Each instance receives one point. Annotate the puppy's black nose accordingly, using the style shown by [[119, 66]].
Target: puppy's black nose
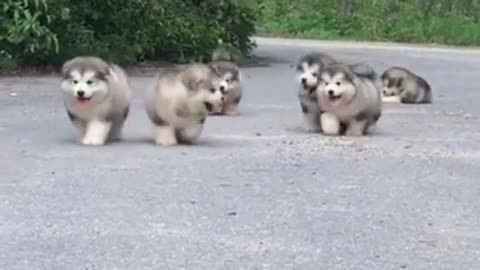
[[330, 92], [80, 93], [304, 81]]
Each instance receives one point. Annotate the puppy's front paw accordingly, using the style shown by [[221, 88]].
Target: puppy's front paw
[[330, 124], [93, 140], [165, 136], [391, 99], [96, 133], [166, 141], [356, 129]]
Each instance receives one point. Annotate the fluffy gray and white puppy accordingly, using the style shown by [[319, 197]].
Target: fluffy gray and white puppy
[[400, 85], [350, 104], [180, 102], [230, 86], [96, 97], [308, 70]]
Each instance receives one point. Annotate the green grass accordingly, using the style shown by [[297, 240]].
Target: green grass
[[418, 21]]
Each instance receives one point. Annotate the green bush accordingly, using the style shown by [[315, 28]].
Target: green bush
[[439, 21], [47, 32]]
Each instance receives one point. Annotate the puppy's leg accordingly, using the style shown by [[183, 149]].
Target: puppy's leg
[[165, 135], [189, 134], [80, 129], [330, 124], [117, 126], [312, 121], [116, 131], [356, 128], [96, 132], [79, 125], [231, 106]]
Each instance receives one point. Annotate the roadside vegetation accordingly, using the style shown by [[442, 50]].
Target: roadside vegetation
[[43, 33], [47, 32], [454, 22]]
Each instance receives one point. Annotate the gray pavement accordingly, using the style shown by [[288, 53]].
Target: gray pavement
[[257, 192]]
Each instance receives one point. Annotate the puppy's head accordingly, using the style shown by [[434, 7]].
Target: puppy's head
[[85, 80], [203, 85], [229, 75], [337, 85], [392, 87], [308, 74]]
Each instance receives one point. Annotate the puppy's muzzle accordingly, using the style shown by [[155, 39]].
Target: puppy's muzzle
[[332, 96]]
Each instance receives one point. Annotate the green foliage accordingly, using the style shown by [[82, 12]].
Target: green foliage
[[24, 29], [438, 21], [124, 31]]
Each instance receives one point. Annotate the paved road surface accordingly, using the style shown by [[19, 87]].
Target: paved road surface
[[257, 192]]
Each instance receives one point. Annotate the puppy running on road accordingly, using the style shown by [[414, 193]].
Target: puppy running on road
[[350, 104], [96, 97], [180, 101]]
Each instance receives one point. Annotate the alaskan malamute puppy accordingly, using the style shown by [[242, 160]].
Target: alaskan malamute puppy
[[230, 86], [96, 97], [350, 104], [308, 69], [180, 101], [402, 85]]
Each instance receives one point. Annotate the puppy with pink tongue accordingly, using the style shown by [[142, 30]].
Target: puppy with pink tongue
[[350, 104], [96, 97]]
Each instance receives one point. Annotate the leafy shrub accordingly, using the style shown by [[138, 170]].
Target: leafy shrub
[[439, 21], [24, 30], [127, 31]]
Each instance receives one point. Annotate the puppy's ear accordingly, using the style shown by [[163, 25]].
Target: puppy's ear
[[103, 73], [192, 83], [214, 68], [66, 69]]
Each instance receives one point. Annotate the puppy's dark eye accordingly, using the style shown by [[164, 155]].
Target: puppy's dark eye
[[89, 82], [314, 74], [75, 81], [227, 80], [338, 83], [326, 83], [212, 90]]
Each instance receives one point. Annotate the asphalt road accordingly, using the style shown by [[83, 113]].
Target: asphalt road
[[256, 192]]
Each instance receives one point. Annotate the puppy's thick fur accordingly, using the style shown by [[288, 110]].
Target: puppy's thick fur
[[96, 97], [180, 101], [230, 86], [348, 102], [402, 85], [308, 69]]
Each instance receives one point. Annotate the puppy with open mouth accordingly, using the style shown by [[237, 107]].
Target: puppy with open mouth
[[350, 104], [230, 86], [96, 97], [180, 102]]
